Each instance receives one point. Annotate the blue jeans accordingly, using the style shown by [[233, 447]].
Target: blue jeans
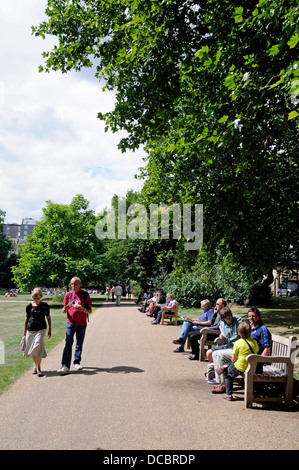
[[69, 339], [186, 327], [230, 374]]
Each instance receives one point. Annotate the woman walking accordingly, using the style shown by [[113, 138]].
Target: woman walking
[[35, 329]]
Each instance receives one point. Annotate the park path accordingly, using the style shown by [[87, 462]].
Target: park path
[[133, 393]]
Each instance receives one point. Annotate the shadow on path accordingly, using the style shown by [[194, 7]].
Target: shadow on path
[[124, 303], [96, 370], [111, 370]]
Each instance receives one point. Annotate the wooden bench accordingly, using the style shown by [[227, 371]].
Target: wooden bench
[[170, 315], [277, 368], [205, 343]]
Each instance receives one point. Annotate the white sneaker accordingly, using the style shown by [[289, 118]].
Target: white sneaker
[[212, 381], [63, 370], [78, 367]]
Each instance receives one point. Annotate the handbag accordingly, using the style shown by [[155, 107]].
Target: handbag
[[23, 344], [210, 374]]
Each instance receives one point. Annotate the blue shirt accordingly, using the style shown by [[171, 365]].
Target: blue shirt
[[206, 316], [262, 336]]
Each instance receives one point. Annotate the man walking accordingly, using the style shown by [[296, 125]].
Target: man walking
[[118, 292], [77, 305]]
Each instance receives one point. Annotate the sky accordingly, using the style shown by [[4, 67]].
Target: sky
[[52, 145]]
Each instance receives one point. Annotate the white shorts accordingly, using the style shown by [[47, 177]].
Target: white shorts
[[221, 357]]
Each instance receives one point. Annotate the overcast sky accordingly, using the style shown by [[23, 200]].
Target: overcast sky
[[52, 146]]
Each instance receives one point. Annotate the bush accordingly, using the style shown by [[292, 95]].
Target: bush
[[136, 289], [204, 281], [190, 288]]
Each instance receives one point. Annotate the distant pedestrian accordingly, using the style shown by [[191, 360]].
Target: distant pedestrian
[[129, 293], [118, 293], [113, 293], [107, 293]]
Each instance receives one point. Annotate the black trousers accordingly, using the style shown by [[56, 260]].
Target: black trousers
[[155, 311], [194, 336]]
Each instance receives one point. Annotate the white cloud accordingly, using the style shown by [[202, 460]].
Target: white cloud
[[52, 145]]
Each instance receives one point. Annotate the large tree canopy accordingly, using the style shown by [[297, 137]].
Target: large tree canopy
[[63, 244], [210, 89]]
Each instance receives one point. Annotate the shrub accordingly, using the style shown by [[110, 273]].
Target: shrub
[[206, 281]]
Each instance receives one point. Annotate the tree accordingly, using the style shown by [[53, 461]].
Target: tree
[[5, 247], [210, 89], [157, 54], [138, 259], [63, 244]]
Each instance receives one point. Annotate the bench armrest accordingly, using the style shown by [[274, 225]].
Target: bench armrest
[[220, 341], [208, 331], [255, 358]]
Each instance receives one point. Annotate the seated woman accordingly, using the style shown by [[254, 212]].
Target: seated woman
[[168, 308]]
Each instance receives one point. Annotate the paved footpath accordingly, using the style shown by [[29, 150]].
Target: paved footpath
[[133, 393]]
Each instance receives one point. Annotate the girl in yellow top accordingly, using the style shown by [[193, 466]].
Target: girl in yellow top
[[242, 347]]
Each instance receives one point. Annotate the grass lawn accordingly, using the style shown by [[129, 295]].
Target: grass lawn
[[12, 317]]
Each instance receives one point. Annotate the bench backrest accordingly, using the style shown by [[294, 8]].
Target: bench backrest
[[283, 347]]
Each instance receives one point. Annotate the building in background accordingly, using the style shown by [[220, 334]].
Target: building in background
[[26, 228], [12, 231], [19, 232]]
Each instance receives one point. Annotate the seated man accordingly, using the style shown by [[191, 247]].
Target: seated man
[[222, 354], [194, 336], [191, 324], [260, 333], [142, 297]]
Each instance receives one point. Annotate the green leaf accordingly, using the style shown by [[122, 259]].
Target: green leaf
[[202, 52], [274, 50], [229, 82], [276, 84], [218, 55], [293, 41], [294, 87], [223, 119], [171, 148], [208, 62], [293, 115], [238, 15]]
